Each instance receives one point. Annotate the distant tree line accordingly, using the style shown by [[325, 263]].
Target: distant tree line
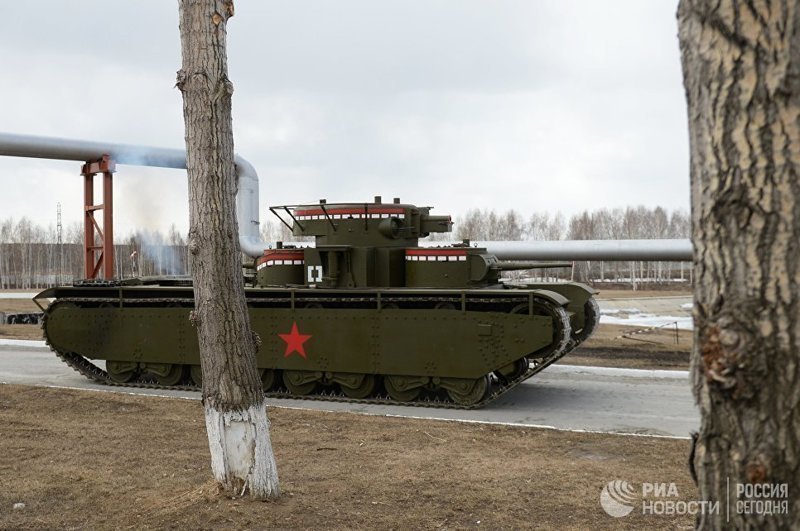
[[30, 256]]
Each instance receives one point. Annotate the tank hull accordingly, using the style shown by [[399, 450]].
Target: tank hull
[[341, 338]]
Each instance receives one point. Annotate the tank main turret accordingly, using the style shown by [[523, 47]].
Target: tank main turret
[[366, 245], [375, 245], [357, 245]]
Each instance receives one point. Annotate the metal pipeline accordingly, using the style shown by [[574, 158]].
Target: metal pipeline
[[247, 216], [39, 147]]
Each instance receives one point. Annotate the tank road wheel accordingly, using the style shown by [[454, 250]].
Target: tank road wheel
[[121, 371], [467, 392], [300, 382], [514, 370], [398, 388], [364, 385], [197, 375], [167, 374], [268, 379]]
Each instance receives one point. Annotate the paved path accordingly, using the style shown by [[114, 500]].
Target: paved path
[[563, 397]]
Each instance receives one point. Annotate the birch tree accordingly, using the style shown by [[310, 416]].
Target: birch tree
[[235, 410], [741, 67], [5, 253]]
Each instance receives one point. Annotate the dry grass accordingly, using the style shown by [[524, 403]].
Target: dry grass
[[28, 332], [18, 305], [80, 459], [33, 332]]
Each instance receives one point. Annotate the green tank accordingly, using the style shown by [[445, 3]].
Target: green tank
[[365, 314]]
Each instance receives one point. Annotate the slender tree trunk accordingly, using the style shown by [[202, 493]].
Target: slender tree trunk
[[741, 65], [3, 266], [633, 276], [236, 419]]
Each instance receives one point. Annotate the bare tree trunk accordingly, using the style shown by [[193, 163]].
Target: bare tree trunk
[[236, 419], [633, 275], [741, 65]]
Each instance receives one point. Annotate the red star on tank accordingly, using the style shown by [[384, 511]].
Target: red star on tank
[[294, 341]]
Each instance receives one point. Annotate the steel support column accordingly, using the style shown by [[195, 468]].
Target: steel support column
[[98, 242]]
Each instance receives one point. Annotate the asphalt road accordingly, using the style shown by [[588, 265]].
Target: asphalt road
[[563, 397]]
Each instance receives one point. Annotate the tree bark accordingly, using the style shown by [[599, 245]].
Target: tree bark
[[741, 66], [236, 419]]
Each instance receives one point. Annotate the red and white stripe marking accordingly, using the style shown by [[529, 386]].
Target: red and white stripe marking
[[436, 255], [279, 258]]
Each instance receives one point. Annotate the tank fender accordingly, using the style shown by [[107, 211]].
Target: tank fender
[[552, 296]]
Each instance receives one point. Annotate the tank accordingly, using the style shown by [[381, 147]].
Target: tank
[[366, 314]]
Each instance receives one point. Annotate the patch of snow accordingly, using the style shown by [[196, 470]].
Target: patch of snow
[[688, 306], [644, 320], [613, 311], [627, 280]]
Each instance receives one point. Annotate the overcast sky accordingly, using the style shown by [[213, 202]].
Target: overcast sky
[[528, 104]]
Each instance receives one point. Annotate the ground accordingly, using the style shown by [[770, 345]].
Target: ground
[[108, 460], [615, 346], [612, 346]]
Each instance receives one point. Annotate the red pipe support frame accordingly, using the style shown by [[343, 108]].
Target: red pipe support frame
[[98, 242]]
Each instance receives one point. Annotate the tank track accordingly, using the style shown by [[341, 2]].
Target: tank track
[[94, 373], [592, 315]]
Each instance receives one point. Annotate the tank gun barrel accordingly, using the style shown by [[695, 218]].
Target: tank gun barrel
[[612, 250], [519, 265], [664, 250]]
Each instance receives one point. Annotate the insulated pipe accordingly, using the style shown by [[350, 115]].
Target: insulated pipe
[[605, 250], [39, 147], [247, 209]]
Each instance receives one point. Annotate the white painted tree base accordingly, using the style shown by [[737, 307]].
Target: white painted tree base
[[241, 451]]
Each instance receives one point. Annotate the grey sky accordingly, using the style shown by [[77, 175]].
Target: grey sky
[[533, 105]]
